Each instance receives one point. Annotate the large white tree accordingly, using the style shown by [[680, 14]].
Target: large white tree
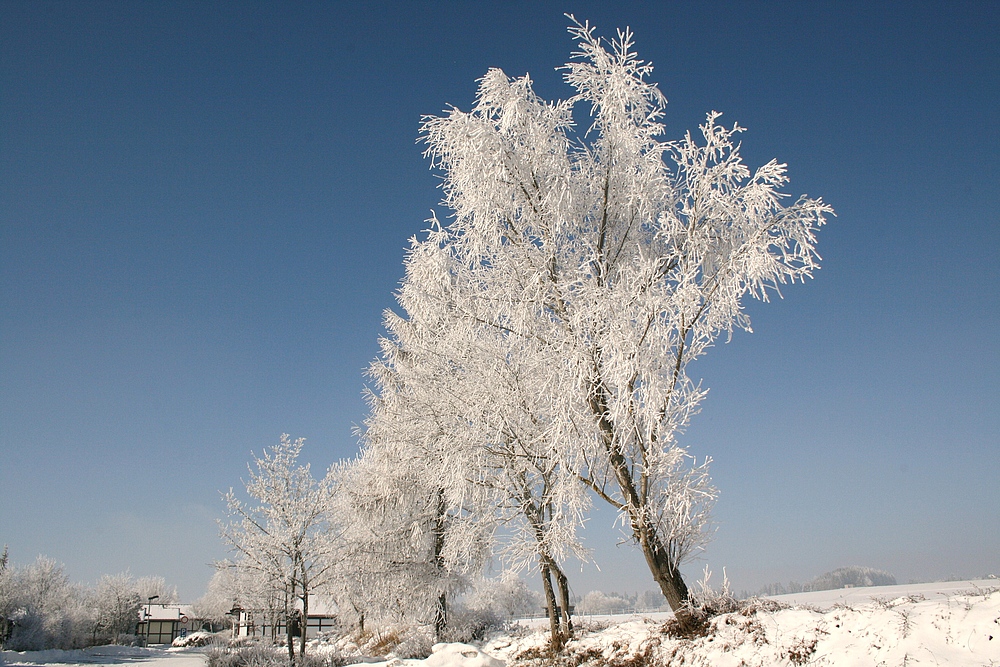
[[615, 258], [283, 538]]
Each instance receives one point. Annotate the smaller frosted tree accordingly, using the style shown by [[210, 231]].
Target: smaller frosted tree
[[8, 603], [118, 601], [474, 430], [283, 537], [408, 543]]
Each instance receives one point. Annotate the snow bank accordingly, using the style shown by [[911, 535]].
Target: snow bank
[[960, 629], [861, 595], [445, 655], [91, 655]]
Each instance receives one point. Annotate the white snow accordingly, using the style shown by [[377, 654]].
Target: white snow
[[955, 624], [446, 655], [107, 655], [936, 624]]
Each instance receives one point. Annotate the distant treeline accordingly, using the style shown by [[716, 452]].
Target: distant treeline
[[843, 577]]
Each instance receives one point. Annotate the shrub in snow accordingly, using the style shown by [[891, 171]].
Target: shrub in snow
[[254, 654], [198, 639], [417, 642]]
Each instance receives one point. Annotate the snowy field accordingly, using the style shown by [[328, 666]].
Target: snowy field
[[953, 623]]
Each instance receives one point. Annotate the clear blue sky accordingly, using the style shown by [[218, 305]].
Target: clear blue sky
[[203, 210]]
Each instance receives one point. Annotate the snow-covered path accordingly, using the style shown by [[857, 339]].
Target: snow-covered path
[[107, 655]]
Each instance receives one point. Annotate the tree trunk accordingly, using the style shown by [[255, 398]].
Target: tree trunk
[[665, 572], [441, 612], [304, 621], [289, 640], [567, 618], [441, 617], [361, 618], [550, 602]]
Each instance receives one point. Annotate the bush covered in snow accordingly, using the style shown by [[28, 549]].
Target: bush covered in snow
[[252, 654], [200, 639]]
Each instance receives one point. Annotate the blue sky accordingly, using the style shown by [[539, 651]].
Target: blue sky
[[203, 210]]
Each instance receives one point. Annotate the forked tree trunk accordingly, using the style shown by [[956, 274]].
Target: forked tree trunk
[[550, 603], [567, 618]]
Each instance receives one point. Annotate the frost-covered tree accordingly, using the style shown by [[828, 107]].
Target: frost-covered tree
[[150, 586], [7, 600], [44, 609], [221, 595], [598, 602], [614, 258], [117, 601], [507, 596], [467, 427], [408, 543], [283, 538]]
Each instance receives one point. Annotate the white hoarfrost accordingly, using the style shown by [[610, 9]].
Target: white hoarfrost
[[282, 538], [549, 326]]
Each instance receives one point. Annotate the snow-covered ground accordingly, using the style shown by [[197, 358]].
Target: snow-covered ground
[[954, 623], [107, 655]]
